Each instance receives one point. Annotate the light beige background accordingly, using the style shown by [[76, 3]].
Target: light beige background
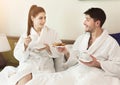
[[65, 16]]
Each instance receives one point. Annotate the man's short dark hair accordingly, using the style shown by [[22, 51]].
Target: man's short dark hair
[[96, 14]]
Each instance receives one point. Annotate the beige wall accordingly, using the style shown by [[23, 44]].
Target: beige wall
[[65, 16]]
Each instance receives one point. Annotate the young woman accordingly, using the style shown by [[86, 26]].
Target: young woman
[[34, 50]]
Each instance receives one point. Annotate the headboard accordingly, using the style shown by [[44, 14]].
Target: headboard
[[13, 40], [117, 37]]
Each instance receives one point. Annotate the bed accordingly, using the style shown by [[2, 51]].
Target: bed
[[67, 77]]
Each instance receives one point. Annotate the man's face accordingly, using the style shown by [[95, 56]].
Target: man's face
[[90, 24]]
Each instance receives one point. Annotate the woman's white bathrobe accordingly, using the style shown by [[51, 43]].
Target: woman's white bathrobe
[[107, 52], [43, 60], [31, 60]]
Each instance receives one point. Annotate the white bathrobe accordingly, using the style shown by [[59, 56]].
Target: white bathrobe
[[31, 60], [42, 60], [107, 52]]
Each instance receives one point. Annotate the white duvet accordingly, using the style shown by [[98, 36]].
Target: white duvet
[[105, 49]]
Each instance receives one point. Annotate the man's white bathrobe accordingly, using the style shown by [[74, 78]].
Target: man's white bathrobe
[[105, 49], [31, 60]]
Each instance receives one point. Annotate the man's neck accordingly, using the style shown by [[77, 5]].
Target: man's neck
[[96, 33], [93, 35]]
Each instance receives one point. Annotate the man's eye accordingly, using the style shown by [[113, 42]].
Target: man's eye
[[87, 20]]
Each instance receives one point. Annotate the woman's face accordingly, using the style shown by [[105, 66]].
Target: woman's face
[[39, 20]]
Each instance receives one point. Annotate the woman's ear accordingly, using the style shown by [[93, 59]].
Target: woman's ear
[[32, 18]]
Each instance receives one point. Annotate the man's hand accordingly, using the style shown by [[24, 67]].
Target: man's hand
[[64, 50], [93, 63], [61, 49]]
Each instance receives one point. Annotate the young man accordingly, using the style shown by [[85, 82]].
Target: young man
[[103, 50]]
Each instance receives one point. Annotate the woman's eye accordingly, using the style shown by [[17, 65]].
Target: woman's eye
[[41, 18], [44, 17]]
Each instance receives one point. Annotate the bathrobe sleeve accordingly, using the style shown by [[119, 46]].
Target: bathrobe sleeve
[[112, 65], [19, 52], [57, 57], [73, 50]]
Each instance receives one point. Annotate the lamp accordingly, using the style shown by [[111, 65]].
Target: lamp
[[4, 46]]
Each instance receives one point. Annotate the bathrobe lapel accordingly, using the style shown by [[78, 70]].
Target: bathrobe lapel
[[98, 42]]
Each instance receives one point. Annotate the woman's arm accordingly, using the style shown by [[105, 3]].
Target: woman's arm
[[21, 52]]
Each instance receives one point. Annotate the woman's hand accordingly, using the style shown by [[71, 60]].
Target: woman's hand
[[27, 41], [93, 63], [47, 48]]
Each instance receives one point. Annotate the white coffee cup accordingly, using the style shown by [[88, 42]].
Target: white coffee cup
[[84, 56]]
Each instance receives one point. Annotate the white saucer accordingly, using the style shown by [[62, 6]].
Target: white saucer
[[84, 57]]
